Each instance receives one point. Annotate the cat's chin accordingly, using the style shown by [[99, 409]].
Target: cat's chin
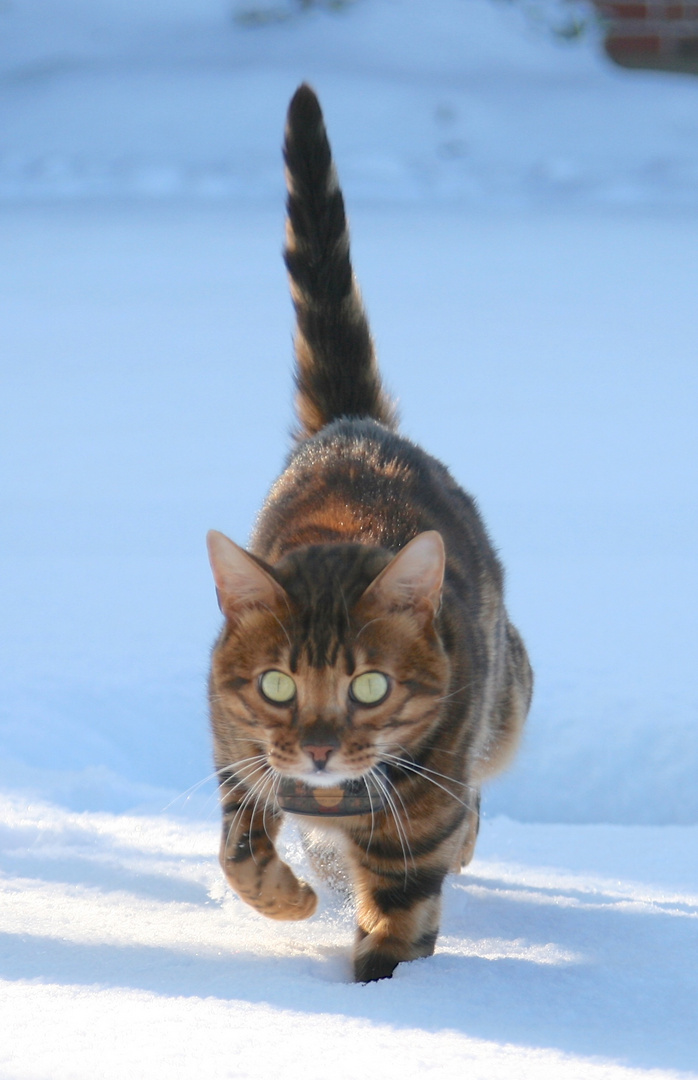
[[326, 779]]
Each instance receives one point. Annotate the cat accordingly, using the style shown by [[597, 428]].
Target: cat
[[365, 639]]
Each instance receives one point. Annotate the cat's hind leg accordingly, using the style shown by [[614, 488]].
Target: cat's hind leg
[[471, 828]]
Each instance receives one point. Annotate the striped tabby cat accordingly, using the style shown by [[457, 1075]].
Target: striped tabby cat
[[366, 643]]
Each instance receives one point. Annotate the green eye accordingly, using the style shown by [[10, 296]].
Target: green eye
[[369, 688], [277, 687]]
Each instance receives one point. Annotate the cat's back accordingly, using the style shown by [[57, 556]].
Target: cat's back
[[357, 481]]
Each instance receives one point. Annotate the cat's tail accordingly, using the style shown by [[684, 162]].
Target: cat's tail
[[336, 369]]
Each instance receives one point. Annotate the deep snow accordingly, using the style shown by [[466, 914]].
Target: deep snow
[[525, 224]]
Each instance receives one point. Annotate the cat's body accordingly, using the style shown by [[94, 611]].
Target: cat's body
[[367, 635]]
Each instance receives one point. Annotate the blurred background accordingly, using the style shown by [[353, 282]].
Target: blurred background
[[522, 182]]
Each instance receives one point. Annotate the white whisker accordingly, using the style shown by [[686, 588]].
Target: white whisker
[[185, 795], [254, 814], [249, 795], [382, 781], [370, 799], [278, 620], [417, 770], [378, 618], [434, 772], [454, 692]]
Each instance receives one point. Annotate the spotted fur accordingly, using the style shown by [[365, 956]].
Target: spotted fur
[[367, 556]]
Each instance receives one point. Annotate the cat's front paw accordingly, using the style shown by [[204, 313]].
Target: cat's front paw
[[290, 898], [272, 890], [376, 955]]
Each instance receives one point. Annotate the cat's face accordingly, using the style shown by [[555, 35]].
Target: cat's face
[[332, 664]]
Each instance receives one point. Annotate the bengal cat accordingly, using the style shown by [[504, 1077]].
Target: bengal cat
[[366, 648]]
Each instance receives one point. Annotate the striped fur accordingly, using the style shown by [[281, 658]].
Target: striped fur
[[367, 556], [336, 373]]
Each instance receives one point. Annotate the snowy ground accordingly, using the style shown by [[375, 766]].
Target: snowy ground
[[563, 949], [525, 226]]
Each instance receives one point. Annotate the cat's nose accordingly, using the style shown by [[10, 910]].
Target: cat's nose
[[319, 754]]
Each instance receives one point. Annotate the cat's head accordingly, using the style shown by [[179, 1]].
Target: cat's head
[[329, 662]]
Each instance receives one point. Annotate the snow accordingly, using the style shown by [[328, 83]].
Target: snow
[[455, 99], [524, 229], [563, 954]]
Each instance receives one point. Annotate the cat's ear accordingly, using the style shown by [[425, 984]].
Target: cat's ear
[[413, 576], [240, 581]]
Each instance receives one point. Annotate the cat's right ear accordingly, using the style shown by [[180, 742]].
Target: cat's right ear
[[240, 581]]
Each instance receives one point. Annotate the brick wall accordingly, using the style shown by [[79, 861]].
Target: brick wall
[[651, 33]]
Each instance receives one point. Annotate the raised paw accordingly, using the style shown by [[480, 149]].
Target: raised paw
[[289, 898], [272, 889]]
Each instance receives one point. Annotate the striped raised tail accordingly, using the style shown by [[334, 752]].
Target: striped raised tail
[[336, 370]]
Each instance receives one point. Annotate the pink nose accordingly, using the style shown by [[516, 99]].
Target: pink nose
[[319, 754]]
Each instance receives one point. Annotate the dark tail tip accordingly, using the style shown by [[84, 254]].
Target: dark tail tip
[[304, 109]]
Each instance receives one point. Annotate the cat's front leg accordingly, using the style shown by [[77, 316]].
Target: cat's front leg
[[255, 871], [399, 912]]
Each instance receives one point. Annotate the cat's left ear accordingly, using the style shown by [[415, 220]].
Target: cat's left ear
[[413, 576], [240, 580]]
